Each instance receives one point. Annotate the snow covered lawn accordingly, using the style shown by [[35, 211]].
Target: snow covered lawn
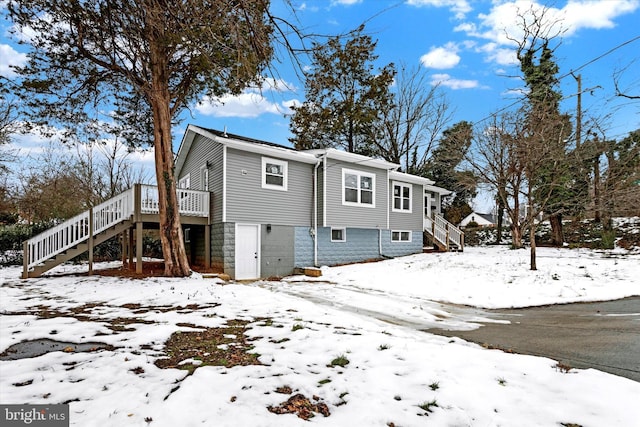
[[390, 375]]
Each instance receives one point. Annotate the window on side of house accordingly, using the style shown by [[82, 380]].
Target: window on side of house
[[187, 235], [185, 181], [338, 235], [358, 188], [274, 174], [400, 236], [401, 197]]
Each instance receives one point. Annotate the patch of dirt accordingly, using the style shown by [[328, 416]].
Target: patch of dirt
[[149, 269], [301, 406], [225, 346]]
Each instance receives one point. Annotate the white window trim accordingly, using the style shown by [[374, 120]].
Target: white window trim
[[373, 188], [187, 235], [204, 178], [285, 173], [400, 236], [393, 197], [344, 234], [185, 182]]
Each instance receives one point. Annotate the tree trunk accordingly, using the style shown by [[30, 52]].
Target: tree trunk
[[557, 233], [176, 263], [516, 236], [532, 238], [500, 220]]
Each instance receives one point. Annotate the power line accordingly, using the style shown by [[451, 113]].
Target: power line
[[562, 77]]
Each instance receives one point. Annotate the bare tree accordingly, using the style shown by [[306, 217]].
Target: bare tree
[[413, 121], [493, 157]]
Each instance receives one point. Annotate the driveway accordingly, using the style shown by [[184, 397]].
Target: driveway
[[602, 335]]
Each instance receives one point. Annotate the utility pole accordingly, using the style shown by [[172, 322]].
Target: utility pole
[[579, 110]]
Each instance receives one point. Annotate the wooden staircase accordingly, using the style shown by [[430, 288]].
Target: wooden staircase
[[444, 236], [83, 232], [78, 249]]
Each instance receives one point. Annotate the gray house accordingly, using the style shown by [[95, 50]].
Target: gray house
[[254, 209], [274, 209]]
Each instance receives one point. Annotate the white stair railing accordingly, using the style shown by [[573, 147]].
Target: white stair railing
[[444, 232], [76, 230]]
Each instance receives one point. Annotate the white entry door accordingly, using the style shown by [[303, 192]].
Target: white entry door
[[247, 251]]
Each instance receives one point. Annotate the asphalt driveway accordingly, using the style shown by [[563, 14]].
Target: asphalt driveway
[[602, 335]]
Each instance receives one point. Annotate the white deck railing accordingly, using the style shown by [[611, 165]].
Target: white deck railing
[[76, 230], [191, 202]]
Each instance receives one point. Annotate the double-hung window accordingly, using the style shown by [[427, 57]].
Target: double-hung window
[[274, 174], [358, 188], [401, 197]]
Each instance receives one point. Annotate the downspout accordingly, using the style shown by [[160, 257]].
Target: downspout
[[315, 213]]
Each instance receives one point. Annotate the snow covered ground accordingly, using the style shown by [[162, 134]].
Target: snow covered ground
[[395, 375]]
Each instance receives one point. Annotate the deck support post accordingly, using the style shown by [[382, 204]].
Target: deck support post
[[207, 246], [25, 260], [130, 248], [139, 247], [91, 226], [123, 251]]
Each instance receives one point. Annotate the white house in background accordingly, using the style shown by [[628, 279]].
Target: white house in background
[[482, 219]]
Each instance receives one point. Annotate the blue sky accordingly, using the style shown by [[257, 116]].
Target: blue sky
[[461, 44]]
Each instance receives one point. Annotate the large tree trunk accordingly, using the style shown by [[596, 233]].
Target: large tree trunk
[[176, 263], [557, 233], [516, 236]]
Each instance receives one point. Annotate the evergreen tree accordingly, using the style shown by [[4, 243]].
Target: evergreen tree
[[148, 60], [344, 95]]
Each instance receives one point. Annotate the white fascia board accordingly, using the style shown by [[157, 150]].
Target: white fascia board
[[434, 189], [413, 179], [185, 146], [356, 159]]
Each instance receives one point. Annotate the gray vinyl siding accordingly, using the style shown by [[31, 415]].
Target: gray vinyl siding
[[339, 215], [320, 190], [404, 220], [248, 202], [203, 150]]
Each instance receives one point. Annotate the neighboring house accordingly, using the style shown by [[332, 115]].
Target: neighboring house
[[254, 209], [275, 209], [482, 220]]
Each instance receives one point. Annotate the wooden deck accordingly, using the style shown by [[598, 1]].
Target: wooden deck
[[126, 214]]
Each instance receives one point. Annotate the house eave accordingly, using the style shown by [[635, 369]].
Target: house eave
[[413, 179], [332, 153]]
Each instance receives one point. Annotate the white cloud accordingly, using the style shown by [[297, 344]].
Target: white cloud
[[252, 102], [455, 84], [441, 57], [459, 7], [499, 55], [10, 57], [345, 2], [500, 25]]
